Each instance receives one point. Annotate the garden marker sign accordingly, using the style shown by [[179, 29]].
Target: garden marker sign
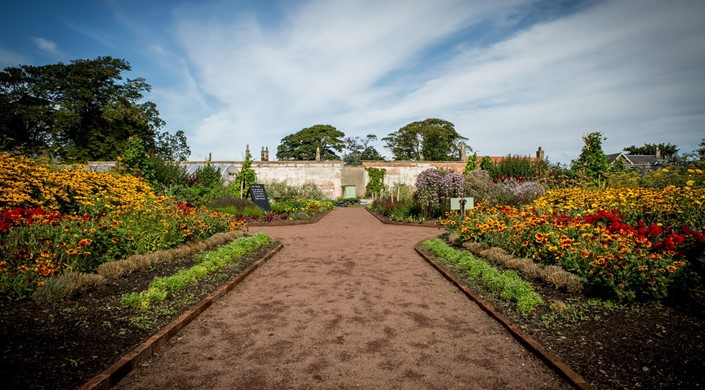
[[462, 204], [259, 196]]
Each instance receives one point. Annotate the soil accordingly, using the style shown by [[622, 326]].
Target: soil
[[348, 303]]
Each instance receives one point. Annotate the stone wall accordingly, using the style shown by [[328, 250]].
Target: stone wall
[[330, 176]]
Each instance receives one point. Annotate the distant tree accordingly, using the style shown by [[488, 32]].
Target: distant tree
[[592, 160], [359, 149], [172, 147], [701, 150], [668, 151], [75, 112], [302, 144], [431, 139]]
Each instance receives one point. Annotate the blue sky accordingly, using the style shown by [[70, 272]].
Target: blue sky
[[511, 75]]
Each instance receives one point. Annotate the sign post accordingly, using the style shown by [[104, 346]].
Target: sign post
[[462, 204], [259, 196]]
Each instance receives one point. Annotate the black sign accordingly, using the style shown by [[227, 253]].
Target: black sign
[[259, 196]]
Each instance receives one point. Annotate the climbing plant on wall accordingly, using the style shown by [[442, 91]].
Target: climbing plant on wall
[[375, 185]]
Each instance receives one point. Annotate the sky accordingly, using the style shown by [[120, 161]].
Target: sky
[[510, 75]]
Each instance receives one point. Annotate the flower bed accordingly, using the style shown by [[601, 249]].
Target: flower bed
[[637, 251]]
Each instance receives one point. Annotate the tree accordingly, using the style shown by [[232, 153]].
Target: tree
[[302, 144], [471, 165], [431, 139], [360, 149], [246, 176], [701, 150], [172, 147], [668, 151], [76, 112], [592, 160]]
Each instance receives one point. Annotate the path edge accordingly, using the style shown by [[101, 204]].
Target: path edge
[[133, 359], [524, 339]]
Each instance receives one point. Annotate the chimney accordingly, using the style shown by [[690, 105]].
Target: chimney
[[539, 154], [247, 152], [266, 153], [463, 153], [262, 156], [658, 153], [318, 153]]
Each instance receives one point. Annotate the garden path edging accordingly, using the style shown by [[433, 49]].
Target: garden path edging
[[133, 359], [524, 339]]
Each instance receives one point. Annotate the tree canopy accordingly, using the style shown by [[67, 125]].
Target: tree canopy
[[359, 149], [667, 150], [78, 111], [431, 139], [302, 144]]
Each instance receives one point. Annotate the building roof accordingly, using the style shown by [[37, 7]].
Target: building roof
[[635, 159]]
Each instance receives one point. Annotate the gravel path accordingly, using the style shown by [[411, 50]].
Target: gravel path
[[347, 303]]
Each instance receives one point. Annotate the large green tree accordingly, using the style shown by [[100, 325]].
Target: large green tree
[[592, 161], [79, 111], [302, 144], [359, 149], [667, 150], [431, 139]]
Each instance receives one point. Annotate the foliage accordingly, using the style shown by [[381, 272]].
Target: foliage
[[135, 160], [637, 251], [691, 175], [283, 191], [516, 166], [592, 161], [507, 284], [701, 150], [431, 139], [172, 147], [75, 112], [486, 164], [302, 144], [246, 176], [360, 149], [667, 150], [375, 184], [471, 165]]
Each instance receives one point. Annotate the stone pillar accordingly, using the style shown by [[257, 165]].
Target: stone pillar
[[266, 152], [263, 157], [658, 152], [463, 153], [318, 153]]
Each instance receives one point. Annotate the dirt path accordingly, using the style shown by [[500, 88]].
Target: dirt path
[[346, 304]]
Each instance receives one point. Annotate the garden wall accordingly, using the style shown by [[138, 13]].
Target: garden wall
[[330, 176]]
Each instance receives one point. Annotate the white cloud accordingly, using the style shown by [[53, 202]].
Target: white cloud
[[630, 69], [47, 46]]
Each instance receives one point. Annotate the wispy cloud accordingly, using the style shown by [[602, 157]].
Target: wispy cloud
[[631, 69], [10, 58], [47, 46]]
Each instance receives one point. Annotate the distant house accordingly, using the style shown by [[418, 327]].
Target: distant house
[[637, 161]]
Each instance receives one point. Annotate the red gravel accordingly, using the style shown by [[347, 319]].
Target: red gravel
[[346, 304]]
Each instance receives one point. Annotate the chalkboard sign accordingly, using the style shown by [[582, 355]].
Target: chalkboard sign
[[259, 196]]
